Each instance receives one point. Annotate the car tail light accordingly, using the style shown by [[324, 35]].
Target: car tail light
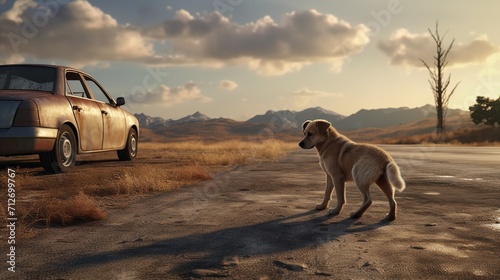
[[7, 112], [27, 114]]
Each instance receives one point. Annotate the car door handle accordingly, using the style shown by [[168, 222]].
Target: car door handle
[[76, 107], [104, 112]]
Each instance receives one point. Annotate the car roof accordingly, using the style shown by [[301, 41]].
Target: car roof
[[43, 65]]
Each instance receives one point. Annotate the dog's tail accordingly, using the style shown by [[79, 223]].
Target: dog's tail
[[394, 176]]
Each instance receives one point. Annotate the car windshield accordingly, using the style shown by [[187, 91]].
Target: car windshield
[[27, 78]]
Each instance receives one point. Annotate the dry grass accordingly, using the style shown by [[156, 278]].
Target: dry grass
[[80, 207], [460, 130], [102, 183], [478, 136], [225, 152], [143, 179]]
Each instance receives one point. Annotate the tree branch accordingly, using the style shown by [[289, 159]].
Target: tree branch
[[437, 83]]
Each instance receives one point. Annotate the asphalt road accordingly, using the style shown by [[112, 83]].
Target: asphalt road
[[257, 222]]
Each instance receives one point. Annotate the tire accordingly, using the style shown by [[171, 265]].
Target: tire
[[63, 157], [130, 151]]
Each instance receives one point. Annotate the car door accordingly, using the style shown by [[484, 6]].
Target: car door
[[115, 131], [87, 113]]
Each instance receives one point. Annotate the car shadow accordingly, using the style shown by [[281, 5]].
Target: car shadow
[[22, 162], [276, 236], [33, 165]]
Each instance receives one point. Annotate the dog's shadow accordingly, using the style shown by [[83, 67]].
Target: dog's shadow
[[276, 236]]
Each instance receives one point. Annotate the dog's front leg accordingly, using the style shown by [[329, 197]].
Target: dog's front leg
[[328, 194], [340, 192]]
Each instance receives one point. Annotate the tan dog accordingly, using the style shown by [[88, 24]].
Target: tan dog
[[343, 160]]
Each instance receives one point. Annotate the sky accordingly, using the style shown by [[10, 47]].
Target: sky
[[238, 58]]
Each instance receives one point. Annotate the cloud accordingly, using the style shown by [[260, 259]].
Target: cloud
[[80, 33], [264, 45], [306, 96], [305, 92], [18, 8], [76, 32], [228, 85], [164, 95], [11, 58], [405, 48]]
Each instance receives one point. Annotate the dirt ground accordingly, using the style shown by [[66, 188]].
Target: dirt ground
[[256, 222]]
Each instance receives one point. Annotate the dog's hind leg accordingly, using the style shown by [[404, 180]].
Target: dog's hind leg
[[363, 181], [388, 190], [367, 201]]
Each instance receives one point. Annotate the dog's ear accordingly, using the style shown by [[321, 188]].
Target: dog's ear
[[322, 126], [305, 124]]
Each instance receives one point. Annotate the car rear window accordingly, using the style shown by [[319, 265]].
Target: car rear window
[[27, 78]]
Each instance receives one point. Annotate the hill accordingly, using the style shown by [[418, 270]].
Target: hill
[[411, 133], [379, 125], [287, 119], [388, 117]]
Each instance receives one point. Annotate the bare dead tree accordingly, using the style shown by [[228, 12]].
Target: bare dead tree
[[437, 82]]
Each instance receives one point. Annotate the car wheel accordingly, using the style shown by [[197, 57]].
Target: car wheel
[[130, 150], [63, 157]]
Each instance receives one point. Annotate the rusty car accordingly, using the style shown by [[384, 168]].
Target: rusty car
[[60, 112]]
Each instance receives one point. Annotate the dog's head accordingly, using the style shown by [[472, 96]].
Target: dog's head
[[315, 132]]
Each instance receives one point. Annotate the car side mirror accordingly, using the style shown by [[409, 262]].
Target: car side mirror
[[120, 101]]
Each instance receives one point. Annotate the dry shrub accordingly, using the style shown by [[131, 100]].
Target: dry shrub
[[270, 147], [273, 150], [478, 136], [407, 140], [149, 178], [238, 152], [192, 173], [80, 207], [220, 158], [24, 210], [141, 179], [23, 178]]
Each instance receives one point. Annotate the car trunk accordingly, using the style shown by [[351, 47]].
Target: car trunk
[[8, 111], [10, 100]]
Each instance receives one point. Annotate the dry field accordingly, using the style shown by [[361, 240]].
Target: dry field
[[100, 183], [459, 131]]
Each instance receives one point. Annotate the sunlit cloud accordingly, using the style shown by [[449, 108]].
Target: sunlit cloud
[[76, 32], [228, 85], [268, 47], [315, 93], [406, 48], [166, 96], [305, 96]]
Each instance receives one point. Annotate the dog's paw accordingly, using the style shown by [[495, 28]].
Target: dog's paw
[[320, 206], [355, 215], [333, 211], [389, 218]]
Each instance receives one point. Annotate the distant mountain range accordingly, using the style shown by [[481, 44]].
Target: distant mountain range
[[158, 122], [286, 123], [382, 118], [286, 119]]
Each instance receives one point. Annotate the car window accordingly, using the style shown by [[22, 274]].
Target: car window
[[3, 79], [27, 78], [97, 91], [74, 85]]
